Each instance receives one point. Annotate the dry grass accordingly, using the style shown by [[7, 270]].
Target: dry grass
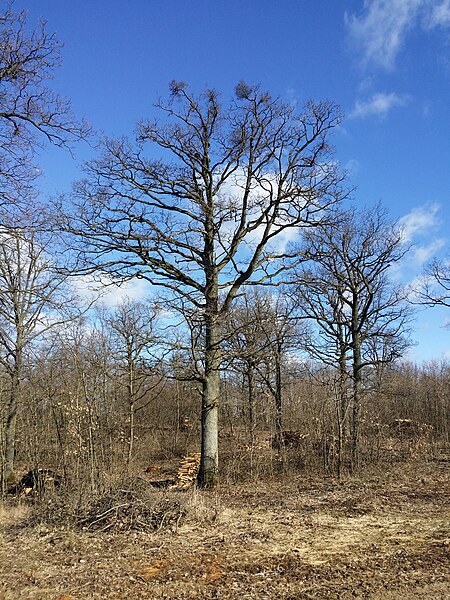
[[384, 536], [13, 514]]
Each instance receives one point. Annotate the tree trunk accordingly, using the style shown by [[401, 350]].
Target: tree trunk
[[131, 409], [278, 399], [130, 435], [209, 465], [251, 406], [11, 419], [357, 385], [10, 439], [341, 410]]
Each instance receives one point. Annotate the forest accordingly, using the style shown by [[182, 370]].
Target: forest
[[270, 349]]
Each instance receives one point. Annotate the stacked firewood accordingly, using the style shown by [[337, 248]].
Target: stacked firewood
[[187, 471]]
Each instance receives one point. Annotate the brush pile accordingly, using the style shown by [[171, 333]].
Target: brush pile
[[131, 509]]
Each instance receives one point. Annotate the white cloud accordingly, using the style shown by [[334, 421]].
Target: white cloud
[[440, 15], [353, 166], [381, 30], [231, 196], [110, 294], [419, 220], [380, 105], [422, 254]]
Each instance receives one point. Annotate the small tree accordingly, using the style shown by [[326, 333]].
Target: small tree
[[358, 316], [245, 346], [261, 330], [133, 325], [205, 213], [33, 300]]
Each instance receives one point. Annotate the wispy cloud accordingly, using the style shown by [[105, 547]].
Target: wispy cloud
[[419, 229], [110, 294], [419, 221], [440, 15], [352, 166], [380, 32], [424, 253], [378, 105]]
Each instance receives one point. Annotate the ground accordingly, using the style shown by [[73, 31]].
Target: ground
[[385, 535]]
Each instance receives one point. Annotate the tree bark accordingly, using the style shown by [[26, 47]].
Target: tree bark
[[278, 398], [357, 386], [341, 410], [209, 466], [251, 406], [11, 419]]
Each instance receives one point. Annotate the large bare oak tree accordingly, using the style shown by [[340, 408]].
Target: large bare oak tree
[[202, 203]]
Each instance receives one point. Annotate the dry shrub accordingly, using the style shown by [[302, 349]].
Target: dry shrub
[[131, 505], [125, 510], [128, 505], [245, 463]]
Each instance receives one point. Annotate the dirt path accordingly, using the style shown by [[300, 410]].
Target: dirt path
[[299, 540]]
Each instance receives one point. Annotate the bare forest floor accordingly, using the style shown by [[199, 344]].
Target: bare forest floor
[[386, 535]]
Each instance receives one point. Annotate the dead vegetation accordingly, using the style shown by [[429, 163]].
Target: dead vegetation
[[383, 535], [132, 506], [125, 510]]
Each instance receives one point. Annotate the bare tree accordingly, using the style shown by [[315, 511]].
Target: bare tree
[[261, 330], [206, 212], [359, 317], [133, 325], [282, 333], [245, 345], [30, 112], [33, 299]]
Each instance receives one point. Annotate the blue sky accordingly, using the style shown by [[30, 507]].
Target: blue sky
[[385, 62]]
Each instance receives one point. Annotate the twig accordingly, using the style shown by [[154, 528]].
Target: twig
[[103, 515]]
